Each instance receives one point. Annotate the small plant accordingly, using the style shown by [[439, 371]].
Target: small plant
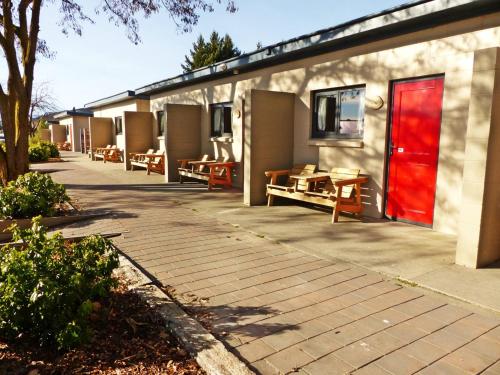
[[42, 151], [48, 285], [30, 195]]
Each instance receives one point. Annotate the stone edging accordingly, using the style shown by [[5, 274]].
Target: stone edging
[[212, 356]]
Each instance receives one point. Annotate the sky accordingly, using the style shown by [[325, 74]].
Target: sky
[[103, 61]]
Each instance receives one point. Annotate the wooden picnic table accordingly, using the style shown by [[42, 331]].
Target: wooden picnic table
[[199, 162], [308, 179]]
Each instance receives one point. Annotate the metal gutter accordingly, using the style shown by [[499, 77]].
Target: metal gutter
[[404, 19], [120, 97]]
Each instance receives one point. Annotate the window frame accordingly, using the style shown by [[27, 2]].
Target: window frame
[[119, 130], [337, 92], [158, 123], [223, 133]]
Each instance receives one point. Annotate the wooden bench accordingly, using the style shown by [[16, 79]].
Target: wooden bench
[[219, 172], [140, 159], [334, 189], [63, 146], [189, 166], [156, 163], [114, 155], [99, 152]]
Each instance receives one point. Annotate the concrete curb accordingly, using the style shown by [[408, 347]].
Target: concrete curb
[[210, 353]]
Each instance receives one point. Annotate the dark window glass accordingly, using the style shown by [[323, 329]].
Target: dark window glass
[[221, 124], [160, 118], [339, 113], [118, 125]]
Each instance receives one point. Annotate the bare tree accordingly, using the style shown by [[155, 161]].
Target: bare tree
[[20, 42], [43, 104]]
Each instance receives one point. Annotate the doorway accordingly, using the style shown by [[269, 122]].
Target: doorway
[[414, 149]]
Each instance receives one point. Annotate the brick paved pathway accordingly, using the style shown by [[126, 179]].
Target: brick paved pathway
[[279, 309]]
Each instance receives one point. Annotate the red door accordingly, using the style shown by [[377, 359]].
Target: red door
[[414, 149]]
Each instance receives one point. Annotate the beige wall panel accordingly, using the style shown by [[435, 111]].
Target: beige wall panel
[[137, 132], [479, 214], [68, 122], [489, 245], [101, 132], [142, 105], [269, 137], [45, 135], [447, 50], [79, 123], [182, 137], [58, 133], [116, 109]]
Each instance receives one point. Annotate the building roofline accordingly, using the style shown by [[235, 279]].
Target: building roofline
[[403, 19], [83, 112], [120, 97]]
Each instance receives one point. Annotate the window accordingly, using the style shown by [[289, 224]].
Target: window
[[221, 120], [339, 113], [67, 130], [118, 125], [160, 123]]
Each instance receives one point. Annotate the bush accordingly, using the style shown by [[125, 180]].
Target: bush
[[42, 151], [30, 195], [47, 285]]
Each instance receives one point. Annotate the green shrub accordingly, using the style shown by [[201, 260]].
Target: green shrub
[[42, 151], [53, 151], [30, 195], [47, 285], [37, 153]]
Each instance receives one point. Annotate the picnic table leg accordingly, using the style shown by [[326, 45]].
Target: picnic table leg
[[270, 200]]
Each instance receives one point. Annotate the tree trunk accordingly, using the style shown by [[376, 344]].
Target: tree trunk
[[14, 159]]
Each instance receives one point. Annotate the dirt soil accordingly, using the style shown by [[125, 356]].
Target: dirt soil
[[128, 338]]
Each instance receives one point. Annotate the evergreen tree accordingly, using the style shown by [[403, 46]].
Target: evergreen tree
[[209, 52]]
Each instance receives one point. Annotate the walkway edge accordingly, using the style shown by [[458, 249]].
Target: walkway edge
[[212, 356]]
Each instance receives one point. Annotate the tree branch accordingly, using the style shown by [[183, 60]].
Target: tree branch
[[31, 46], [23, 24]]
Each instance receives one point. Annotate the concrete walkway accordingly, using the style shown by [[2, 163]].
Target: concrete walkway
[[280, 309]]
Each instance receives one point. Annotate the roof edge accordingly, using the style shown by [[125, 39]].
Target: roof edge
[[403, 19], [116, 98]]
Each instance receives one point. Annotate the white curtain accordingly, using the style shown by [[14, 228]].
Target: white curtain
[[322, 104]]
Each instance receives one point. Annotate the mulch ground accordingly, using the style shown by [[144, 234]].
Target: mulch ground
[[128, 338]]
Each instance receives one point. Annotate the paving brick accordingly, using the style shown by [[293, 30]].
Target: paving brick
[[335, 320], [442, 368], [330, 365], [406, 332], [289, 359], [495, 368], [265, 368], [255, 350], [419, 305], [399, 363], [485, 347], [321, 345], [283, 339], [371, 369], [423, 351], [494, 334], [383, 342], [358, 354], [449, 314], [446, 340], [426, 323], [312, 328], [390, 316], [468, 360]]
